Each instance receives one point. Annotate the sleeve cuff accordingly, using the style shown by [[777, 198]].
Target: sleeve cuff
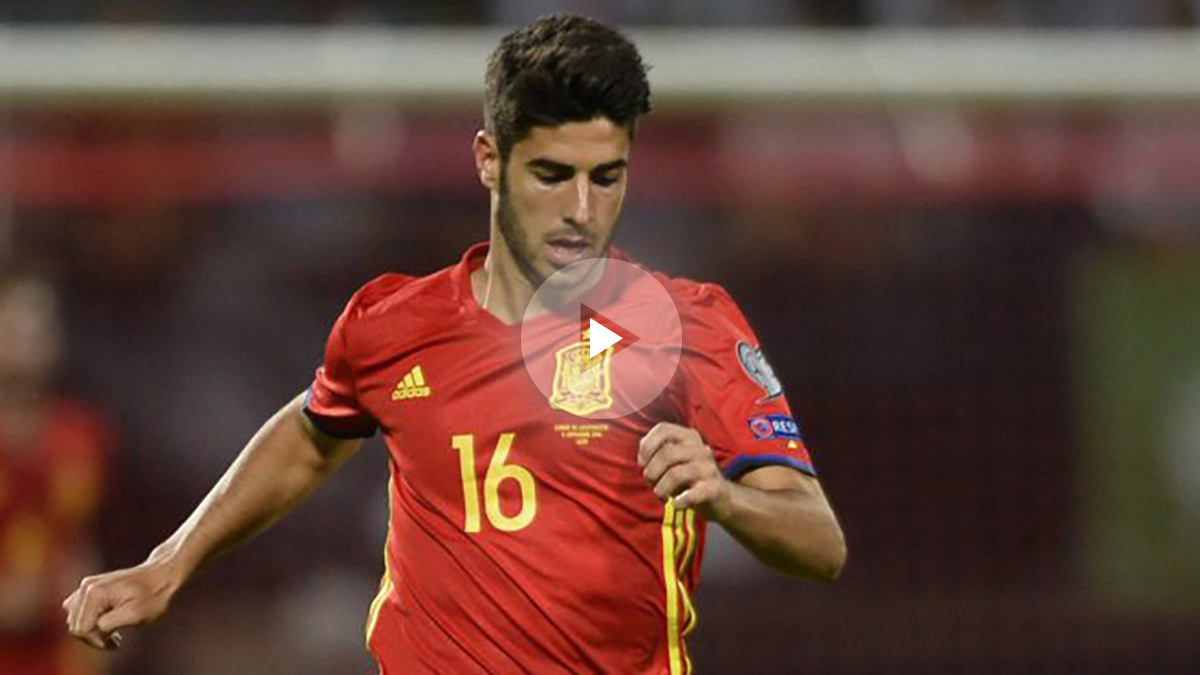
[[744, 463], [336, 427], [330, 427]]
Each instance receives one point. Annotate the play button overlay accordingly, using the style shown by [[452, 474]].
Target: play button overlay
[[601, 338], [605, 332]]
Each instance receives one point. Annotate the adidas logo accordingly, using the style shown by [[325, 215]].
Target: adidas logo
[[412, 386]]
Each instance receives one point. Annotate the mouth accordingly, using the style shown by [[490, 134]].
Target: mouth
[[563, 250]]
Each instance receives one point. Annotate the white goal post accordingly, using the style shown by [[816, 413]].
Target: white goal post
[[691, 69]]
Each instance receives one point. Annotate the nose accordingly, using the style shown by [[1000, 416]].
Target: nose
[[582, 213]]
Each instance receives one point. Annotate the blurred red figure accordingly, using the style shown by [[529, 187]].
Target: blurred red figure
[[52, 456]]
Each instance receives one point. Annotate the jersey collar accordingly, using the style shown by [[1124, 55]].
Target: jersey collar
[[474, 258]]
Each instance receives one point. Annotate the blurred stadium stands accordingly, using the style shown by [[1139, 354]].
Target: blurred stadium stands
[[987, 319]]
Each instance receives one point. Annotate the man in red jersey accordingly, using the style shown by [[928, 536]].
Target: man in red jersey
[[52, 454], [524, 535]]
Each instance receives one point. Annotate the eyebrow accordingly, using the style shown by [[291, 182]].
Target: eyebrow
[[558, 167]]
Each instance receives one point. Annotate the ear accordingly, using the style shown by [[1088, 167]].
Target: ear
[[487, 159]]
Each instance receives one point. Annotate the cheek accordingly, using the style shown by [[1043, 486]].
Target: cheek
[[536, 210], [545, 206], [525, 202], [609, 206]]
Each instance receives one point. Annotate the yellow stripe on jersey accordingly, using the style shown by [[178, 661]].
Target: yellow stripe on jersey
[[681, 546], [418, 376], [689, 524], [671, 585], [385, 589], [689, 612], [386, 585], [684, 546], [680, 541]]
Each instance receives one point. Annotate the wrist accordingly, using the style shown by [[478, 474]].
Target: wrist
[[172, 561], [719, 508]]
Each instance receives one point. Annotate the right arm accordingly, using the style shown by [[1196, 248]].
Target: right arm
[[283, 463]]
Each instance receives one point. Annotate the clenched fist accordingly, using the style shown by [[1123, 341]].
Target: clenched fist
[[129, 597], [679, 466]]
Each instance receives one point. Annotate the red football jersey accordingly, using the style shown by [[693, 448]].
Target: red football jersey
[[49, 495], [523, 537]]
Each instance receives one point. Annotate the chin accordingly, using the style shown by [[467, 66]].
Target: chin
[[563, 280], [572, 274]]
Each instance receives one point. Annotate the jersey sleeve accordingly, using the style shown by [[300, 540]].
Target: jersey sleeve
[[733, 397], [332, 402]]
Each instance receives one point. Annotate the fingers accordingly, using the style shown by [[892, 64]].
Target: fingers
[[90, 615], [82, 609], [699, 494], [95, 602], [663, 459], [73, 605], [683, 500], [680, 467], [677, 479], [69, 603], [664, 434], [120, 617], [97, 640]]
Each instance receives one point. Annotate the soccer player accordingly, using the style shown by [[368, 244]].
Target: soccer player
[[53, 451], [522, 537]]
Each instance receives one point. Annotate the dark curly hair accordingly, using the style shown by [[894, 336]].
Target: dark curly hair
[[562, 68]]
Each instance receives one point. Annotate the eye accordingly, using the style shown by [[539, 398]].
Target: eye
[[607, 179], [551, 177]]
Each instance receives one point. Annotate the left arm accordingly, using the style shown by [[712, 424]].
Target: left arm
[[780, 514]]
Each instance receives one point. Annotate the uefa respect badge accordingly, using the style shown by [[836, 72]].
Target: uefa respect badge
[[601, 338]]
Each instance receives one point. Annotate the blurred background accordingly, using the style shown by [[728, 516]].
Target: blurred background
[[965, 230]]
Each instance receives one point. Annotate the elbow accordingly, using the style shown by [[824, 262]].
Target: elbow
[[833, 558], [821, 562]]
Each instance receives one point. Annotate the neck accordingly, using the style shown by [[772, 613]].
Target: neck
[[501, 287]]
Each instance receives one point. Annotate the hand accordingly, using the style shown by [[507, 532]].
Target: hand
[[679, 466], [129, 597]]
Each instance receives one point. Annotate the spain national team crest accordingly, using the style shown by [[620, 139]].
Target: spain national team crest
[[600, 348], [582, 385]]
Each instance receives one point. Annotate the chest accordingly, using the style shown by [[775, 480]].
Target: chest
[[462, 415]]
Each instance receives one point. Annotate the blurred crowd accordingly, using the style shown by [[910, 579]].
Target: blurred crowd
[[986, 323], [817, 13], [952, 302]]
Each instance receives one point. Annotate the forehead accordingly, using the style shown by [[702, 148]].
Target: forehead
[[579, 144]]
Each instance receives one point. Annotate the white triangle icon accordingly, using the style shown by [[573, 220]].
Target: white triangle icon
[[602, 338]]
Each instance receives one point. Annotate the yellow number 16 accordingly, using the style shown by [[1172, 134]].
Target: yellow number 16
[[498, 472]]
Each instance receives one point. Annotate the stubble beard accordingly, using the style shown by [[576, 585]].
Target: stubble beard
[[514, 236], [523, 251]]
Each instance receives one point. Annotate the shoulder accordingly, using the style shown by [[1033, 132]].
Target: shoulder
[[394, 309], [392, 292], [702, 304]]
